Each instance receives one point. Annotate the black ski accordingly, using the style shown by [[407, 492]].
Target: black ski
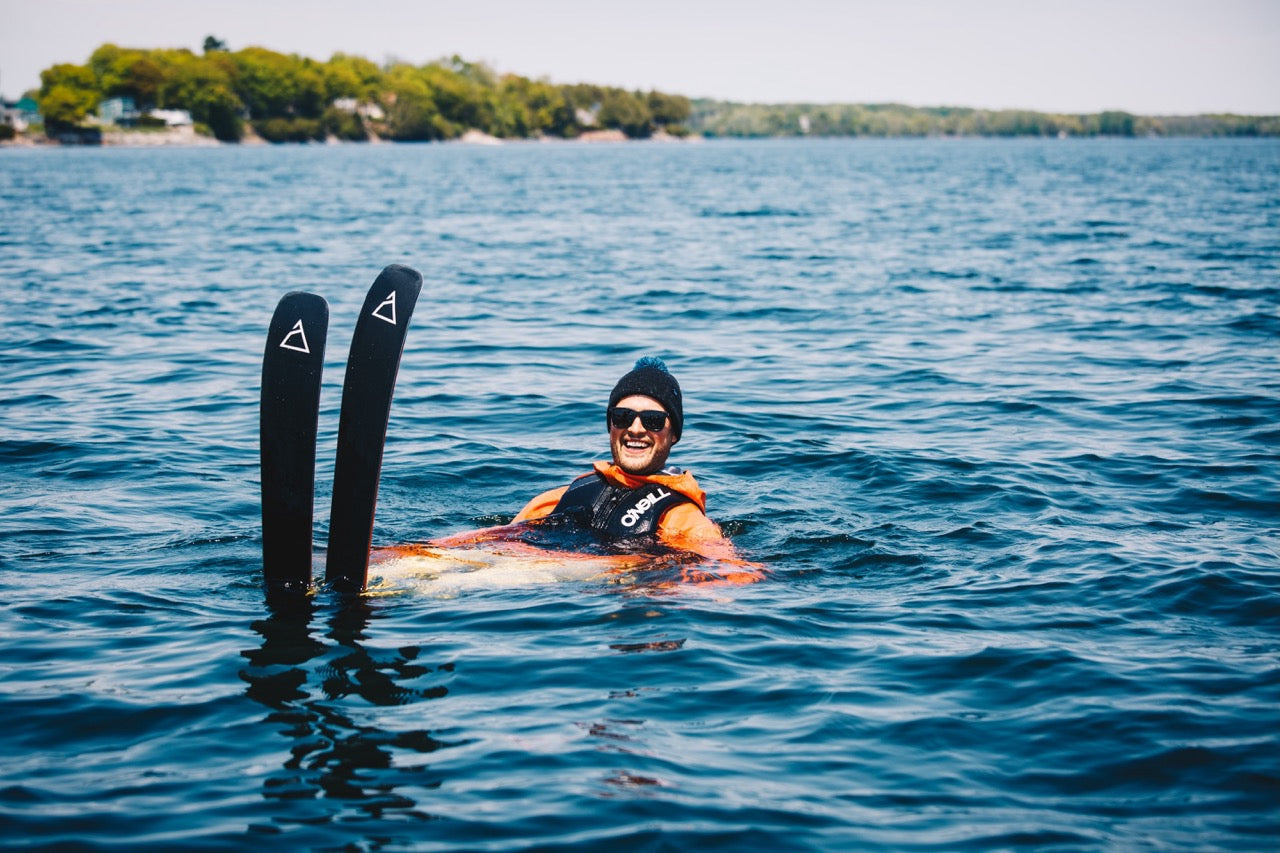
[[288, 414], [372, 365]]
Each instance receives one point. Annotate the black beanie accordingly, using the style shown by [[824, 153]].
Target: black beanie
[[651, 378]]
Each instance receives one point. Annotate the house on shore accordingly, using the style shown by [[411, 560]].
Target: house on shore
[[172, 118], [20, 114], [122, 112]]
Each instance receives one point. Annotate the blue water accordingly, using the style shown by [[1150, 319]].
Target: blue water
[[999, 418]]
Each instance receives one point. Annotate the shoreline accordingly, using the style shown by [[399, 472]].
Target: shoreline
[[186, 137]]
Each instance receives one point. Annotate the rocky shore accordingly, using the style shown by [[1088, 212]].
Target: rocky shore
[[166, 137], [186, 136]]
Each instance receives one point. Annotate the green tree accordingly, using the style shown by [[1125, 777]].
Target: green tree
[[351, 77], [205, 86], [461, 99], [668, 109], [411, 111], [627, 112], [310, 97], [477, 72], [584, 96], [281, 129], [546, 110], [344, 125], [413, 117], [68, 93], [127, 72], [273, 85], [1115, 123]]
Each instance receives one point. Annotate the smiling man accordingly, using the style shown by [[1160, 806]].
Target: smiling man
[[635, 496]]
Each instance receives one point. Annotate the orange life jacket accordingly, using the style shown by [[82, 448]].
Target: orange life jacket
[[684, 526]]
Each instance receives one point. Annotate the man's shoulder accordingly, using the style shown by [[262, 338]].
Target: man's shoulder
[[542, 505]]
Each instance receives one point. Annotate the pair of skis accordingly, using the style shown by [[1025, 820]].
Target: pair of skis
[[289, 416]]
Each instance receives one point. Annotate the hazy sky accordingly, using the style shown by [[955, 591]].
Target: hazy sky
[[1146, 56]]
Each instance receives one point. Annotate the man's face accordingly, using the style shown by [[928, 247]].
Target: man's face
[[637, 450]]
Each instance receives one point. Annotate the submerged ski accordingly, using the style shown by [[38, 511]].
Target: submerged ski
[[287, 419], [376, 347]]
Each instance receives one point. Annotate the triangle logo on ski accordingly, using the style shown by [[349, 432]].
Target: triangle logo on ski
[[386, 311], [298, 345]]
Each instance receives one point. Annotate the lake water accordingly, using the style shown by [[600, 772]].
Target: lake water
[[999, 419]]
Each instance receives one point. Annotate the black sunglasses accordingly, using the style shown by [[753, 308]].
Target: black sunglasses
[[654, 420]]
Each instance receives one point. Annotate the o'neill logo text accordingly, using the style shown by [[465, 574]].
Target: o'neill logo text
[[642, 506]]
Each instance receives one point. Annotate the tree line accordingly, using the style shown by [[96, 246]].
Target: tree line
[[721, 118], [286, 97]]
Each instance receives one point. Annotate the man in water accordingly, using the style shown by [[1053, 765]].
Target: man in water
[[635, 497]]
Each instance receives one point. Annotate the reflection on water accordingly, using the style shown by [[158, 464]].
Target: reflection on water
[[334, 753]]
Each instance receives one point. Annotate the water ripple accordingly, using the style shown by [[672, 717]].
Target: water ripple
[[997, 418]]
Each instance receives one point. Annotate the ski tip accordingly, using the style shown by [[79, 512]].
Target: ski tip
[[301, 298], [391, 299], [398, 274], [300, 324]]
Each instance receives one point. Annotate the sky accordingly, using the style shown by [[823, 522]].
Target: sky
[[1152, 57]]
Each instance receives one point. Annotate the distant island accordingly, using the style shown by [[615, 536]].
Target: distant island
[[255, 93]]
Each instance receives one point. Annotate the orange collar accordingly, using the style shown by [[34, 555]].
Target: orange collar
[[684, 483]]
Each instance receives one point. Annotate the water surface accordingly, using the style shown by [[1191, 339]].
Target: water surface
[[998, 417]]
